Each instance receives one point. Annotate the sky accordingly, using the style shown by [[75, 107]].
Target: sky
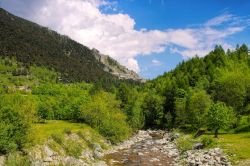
[[148, 36]]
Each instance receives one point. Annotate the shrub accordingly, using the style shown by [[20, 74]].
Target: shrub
[[103, 113], [184, 143], [243, 128], [207, 141], [13, 130]]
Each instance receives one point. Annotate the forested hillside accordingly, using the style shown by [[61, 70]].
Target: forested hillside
[[201, 90], [31, 44]]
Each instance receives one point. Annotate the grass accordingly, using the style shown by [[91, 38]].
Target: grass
[[184, 143], [41, 132], [66, 138], [237, 146]]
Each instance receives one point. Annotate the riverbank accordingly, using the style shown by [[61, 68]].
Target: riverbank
[[157, 147], [65, 143]]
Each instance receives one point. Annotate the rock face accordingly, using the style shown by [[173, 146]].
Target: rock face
[[113, 67], [46, 155]]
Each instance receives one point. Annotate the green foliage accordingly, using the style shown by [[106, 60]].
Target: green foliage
[[153, 110], [242, 128], [16, 159], [59, 101], [232, 86], [198, 105], [58, 138], [184, 143], [73, 148], [43, 74], [67, 131], [16, 114], [193, 85], [13, 130], [207, 141], [35, 45], [131, 102], [103, 113], [219, 117]]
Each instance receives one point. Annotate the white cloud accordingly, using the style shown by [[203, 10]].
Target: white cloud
[[156, 62], [115, 34], [219, 20]]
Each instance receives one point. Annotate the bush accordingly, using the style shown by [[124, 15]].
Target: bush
[[184, 143], [13, 130], [103, 113], [207, 141], [243, 128]]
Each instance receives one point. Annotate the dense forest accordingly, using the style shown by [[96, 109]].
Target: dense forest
[[211, 92]]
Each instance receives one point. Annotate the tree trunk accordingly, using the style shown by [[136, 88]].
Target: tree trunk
[[216, 133]]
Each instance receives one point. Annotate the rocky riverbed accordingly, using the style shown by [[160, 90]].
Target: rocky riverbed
[[146, 148], [157, 147]]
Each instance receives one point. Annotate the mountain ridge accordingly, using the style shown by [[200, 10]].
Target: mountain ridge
[[31, 43]]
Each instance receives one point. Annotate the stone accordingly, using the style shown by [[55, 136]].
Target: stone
[[87, 154], [198, 146], [98, 155], [217, 159], [154, 159], [100, 163], [48, 159], [48, 152], [217, 150], [2, 160], [154, 149], [97, 147], [140, 154]]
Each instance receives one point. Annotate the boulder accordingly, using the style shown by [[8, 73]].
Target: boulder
[[198, 146], [98, 155], [97, 147]]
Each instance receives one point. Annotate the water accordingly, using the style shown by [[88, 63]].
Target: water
[[147, 152]]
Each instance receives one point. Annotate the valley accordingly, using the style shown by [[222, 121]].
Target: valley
[[62, 103]]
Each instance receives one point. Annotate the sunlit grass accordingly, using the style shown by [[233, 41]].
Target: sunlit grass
[[237, 146], [41, 132]]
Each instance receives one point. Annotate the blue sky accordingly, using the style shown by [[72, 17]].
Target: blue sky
[[148, 36], [163, 14]]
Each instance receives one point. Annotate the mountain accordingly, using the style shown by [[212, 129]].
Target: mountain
[[31, 43], [113, 67]]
